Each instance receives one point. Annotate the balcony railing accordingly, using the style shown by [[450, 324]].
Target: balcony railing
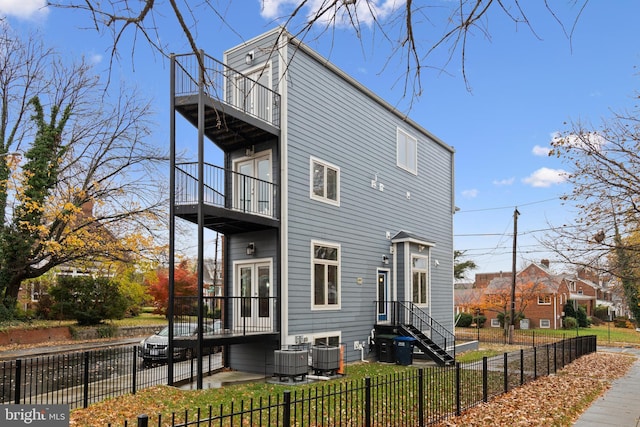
[[227, 189], [230, 315], [226, 85]]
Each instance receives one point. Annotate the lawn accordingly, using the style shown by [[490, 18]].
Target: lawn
[[607, 334]]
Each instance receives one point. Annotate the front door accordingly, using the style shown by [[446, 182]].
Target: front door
[[253, 308], [253, 185], [382, 296]]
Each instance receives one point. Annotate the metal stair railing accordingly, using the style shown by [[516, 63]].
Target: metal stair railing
[[407, 313]]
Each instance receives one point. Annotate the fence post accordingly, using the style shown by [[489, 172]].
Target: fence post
[[485, 380], [286, 409], [134, 373], [521, 366], [85, 402], [555, 357], [458, 403], [421, 397], [506, 372], [548, 360], [16, 397], [367, 402], [143, 420], [535, 363]]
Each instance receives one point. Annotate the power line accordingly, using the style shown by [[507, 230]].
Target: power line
[[508, 207]]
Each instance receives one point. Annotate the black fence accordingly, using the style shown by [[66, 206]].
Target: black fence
[[81, 378], [521, 337], [423, 396]]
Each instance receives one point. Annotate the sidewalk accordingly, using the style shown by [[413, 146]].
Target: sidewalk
[[620, 405]]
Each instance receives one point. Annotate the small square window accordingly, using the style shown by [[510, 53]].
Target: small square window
[[545, 323], [495, 323]]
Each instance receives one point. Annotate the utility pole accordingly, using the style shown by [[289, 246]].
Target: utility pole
[[513, 276]]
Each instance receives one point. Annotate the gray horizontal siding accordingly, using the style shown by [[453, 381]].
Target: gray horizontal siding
[[333, 121]]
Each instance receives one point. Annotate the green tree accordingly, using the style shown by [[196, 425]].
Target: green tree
[[78, 179], [460, 268], [88, 300]]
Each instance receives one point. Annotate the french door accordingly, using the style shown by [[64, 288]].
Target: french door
[[255, 99], [254, 193], [253, 287]]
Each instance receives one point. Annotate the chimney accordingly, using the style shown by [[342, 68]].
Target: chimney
[[545, 262]]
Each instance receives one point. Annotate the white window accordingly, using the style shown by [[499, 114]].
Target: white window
[[325, 273], [407, 152], [544, 299], [331, 341], [545, 323], [495, 323], [419, 274], [325, 182]]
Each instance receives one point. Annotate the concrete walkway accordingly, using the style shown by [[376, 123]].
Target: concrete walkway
[[620, 405]]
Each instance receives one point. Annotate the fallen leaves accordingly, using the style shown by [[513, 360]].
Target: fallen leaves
[[555, 400]]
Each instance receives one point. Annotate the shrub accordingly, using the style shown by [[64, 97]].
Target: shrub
[[464, 320], [569, 322], [87, 300], [622, 322], [107, 331], [480, 320]]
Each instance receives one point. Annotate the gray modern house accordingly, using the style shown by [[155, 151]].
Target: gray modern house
[[336, 209]]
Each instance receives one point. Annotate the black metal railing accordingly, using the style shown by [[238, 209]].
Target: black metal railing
[[230, 315], [408, 313], [226, 85], [227, 189], [80, 378], [522, 337], [422, 396]]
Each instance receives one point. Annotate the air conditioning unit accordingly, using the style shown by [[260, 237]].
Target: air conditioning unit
[[290, 363], [325, 359]]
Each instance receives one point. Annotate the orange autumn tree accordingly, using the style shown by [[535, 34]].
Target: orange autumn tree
[[185, 285], [497, 297]]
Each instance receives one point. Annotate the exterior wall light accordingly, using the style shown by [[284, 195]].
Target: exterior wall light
[[251, 248], [248, 58], [385, 260]]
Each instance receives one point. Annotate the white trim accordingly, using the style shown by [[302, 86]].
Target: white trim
[[496, 321], [255, 262], [326, 164], [284, 192], [548, 324], [325, 307]]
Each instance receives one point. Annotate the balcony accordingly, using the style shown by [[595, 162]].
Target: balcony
[[238, 110], [229, 320], [232, 202]]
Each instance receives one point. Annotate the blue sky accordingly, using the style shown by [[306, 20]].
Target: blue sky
[[525, 86]]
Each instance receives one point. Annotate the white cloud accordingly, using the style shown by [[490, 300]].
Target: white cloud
[[506, 181], [366, 11], [470, 194], [24, 9], [541, 151], [546, 177]]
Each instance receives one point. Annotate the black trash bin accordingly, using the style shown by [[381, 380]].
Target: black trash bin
[[385, 348], [403, 347]]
